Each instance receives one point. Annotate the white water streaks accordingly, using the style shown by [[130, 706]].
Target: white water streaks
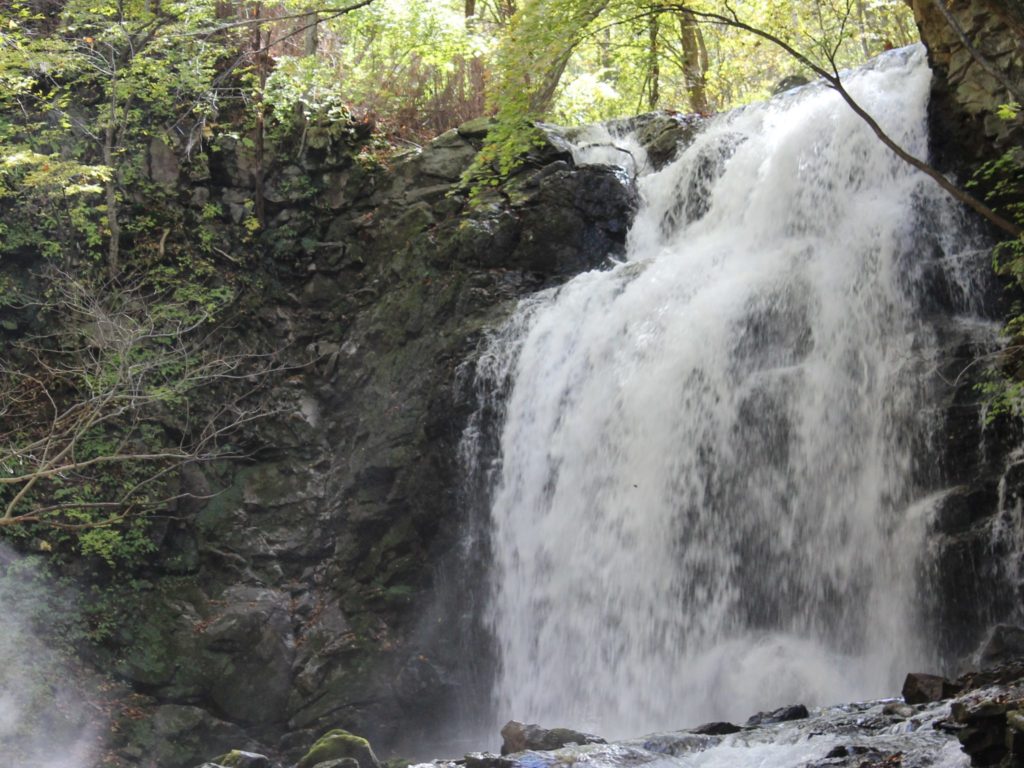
[[701, 504]]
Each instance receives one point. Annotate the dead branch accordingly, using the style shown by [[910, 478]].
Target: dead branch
[[101, 397]]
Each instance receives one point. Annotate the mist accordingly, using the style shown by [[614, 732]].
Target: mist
[[49, 717]]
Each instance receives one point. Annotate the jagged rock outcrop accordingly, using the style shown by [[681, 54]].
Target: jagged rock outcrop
[[968, 88]]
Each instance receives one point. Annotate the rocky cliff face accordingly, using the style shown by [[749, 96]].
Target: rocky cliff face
[[306, 593], [976, 50]]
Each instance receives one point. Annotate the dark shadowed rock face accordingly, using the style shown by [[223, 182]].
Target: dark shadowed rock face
[[302, 596]]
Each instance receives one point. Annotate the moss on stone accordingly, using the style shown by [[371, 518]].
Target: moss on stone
[[236, 758], [339, 744]]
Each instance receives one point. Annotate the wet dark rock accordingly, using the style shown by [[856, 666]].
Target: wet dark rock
[[920, 688], [716, 729], [1004, 644], [1001, 674], [789, 83], [517, 737], [897, 709], [858, 757], [674, 744], [664, 137], [781, 715], [487, 760], [237, 758], [844, 751], [984, 734], [561, 221], [556, 235], [180, 736]]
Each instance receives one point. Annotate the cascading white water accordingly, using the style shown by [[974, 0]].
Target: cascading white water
[[704, 506]]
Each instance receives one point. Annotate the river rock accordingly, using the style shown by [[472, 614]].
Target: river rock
[[896, 709], [920, 688], [781, 715], [518, 737], [716, 729]]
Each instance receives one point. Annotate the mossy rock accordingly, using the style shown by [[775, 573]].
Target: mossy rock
[[236, 758], [338, 745]]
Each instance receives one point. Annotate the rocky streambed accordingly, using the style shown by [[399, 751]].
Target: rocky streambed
[[976, 720]]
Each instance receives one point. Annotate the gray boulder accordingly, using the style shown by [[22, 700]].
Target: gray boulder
[[518, 737]]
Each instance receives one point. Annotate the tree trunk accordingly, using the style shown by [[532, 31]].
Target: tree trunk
[[653, 65], [110, 187], [311, 33], [540, 100], [261, 73], [695, 61]]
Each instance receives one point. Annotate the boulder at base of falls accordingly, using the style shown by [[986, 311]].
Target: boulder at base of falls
[[517, 737], [921, 688], [781, 715], [339, 746], [992, 728], [716, 729]]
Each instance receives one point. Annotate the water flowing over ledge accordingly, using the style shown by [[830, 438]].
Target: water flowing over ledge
[[713, 482]]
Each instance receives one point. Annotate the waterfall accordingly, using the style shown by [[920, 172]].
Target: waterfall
[[710, 495]]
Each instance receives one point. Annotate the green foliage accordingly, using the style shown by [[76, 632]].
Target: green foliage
[[588, 60], [307, 85], [130, 392], [415, 66], [1001, 182], [1008, 111]]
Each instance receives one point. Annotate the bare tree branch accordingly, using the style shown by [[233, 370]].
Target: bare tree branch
[[97, 402]]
